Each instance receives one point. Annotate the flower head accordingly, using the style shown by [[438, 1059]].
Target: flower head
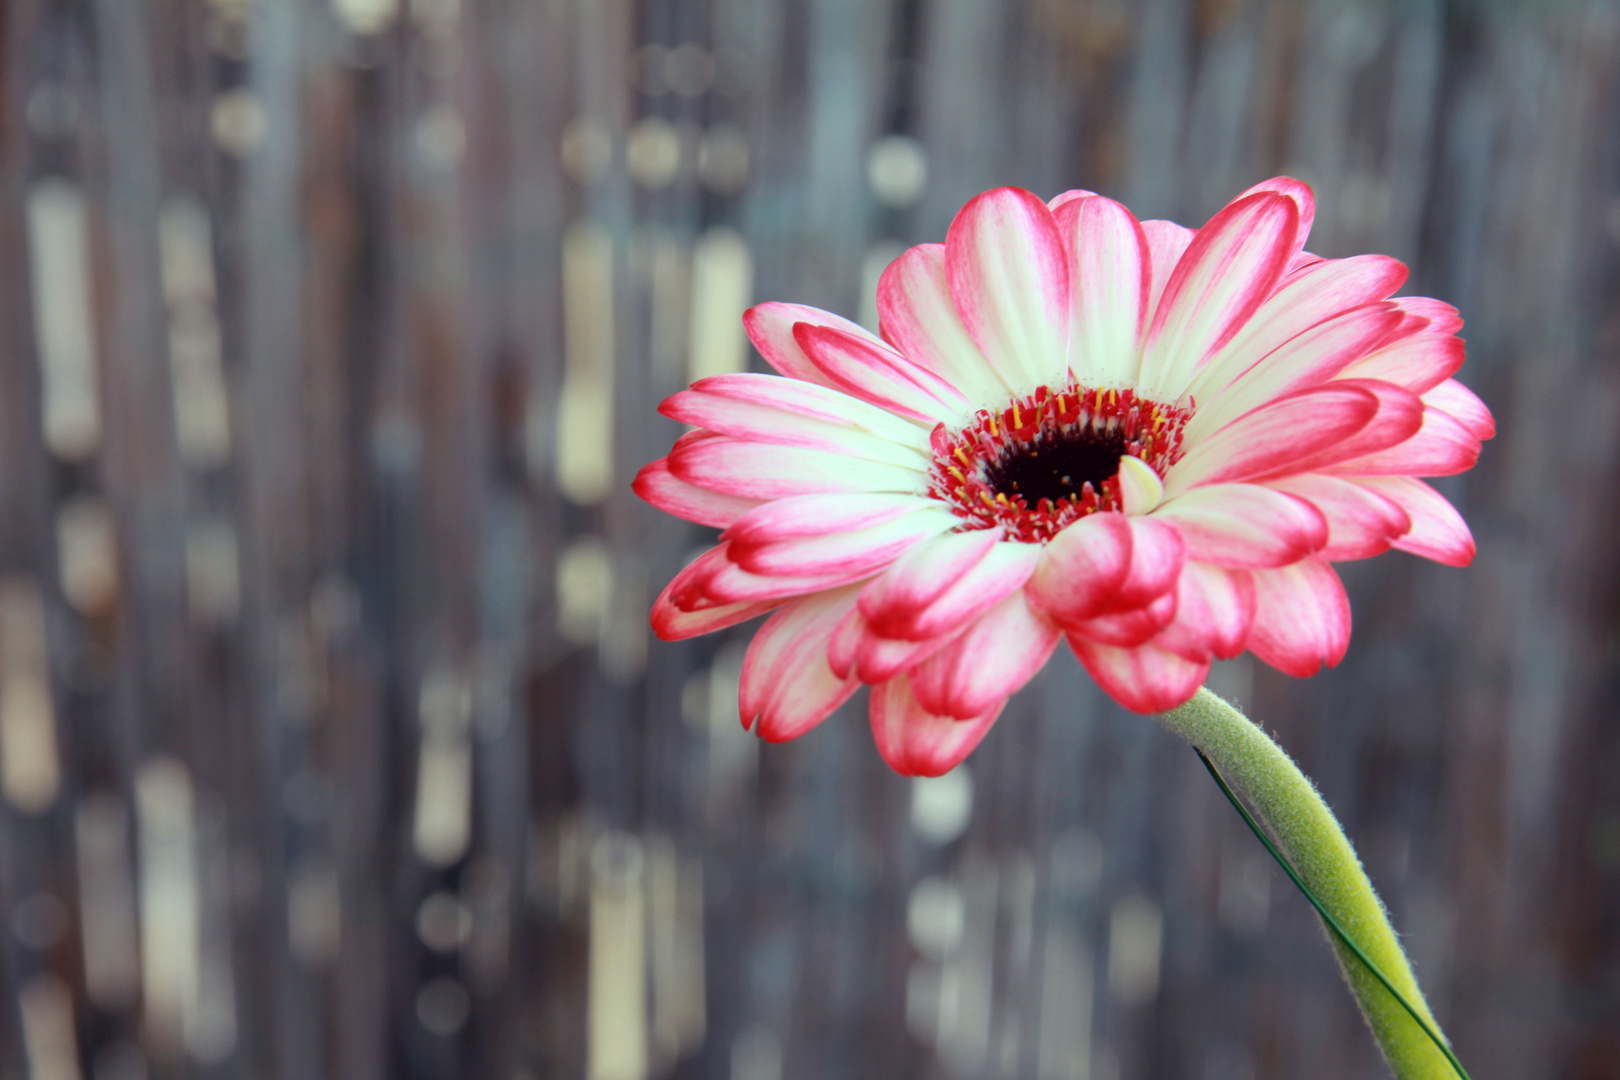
[[1148, 441]]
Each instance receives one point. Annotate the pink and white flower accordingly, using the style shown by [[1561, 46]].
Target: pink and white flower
[[1148, 441]]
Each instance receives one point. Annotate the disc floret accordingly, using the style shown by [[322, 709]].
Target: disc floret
[[1051, 457]]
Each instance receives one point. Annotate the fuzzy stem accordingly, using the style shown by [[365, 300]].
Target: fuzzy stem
[[1306, 831]]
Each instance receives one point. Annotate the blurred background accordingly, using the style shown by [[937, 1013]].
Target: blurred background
[[332, 740]]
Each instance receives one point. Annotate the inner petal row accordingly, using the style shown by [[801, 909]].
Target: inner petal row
[[1051, 457]]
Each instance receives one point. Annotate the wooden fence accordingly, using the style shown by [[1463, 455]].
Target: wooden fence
[[332, 739]]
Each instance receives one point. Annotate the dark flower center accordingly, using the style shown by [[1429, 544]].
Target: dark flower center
[[1057, 465], [1050, 458]]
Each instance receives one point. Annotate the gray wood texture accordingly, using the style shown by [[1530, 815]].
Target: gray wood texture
[[333, 743]]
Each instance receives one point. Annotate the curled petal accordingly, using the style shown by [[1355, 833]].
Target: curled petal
[[916, 742], [891, 602], [663, 489], [856, 650], [1128, 627], [1083, 568], [787, 685], [1009, 279], [1438, 532], [1144, 679], [1214, 607], [1245, 525], [1301, 617], [923, 574], [1104, 564], [990, 660]]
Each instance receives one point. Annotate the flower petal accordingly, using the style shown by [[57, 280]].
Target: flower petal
[[872, 371], [856, 650], [799, 516], [1112, 273], [1309, 358], [863, 550], [1442, 317], [1106, 563], [810, 401], [1230, 268], [682, 610], [663, 489], [1441, 447], [1144, 679], [1214, 607], [917, 314], [787, 685], [1140, 489], [1131, 627], [752, 470], [770, 328], [1399, 417], [1167, 242], [1307, 295], [1009, 278], [916, 742], [923, 574], [1360, 523], [1419, 362], [1269, 439], [1243, 526], [1299, 191], [1462, 405], [781, 427], [1438, 532], [1069, 196], [672, 624], [713, 580], [990, 660], [892, 611], [1301, 617]]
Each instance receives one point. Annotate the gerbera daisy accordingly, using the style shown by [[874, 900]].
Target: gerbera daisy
[[1148, 441]]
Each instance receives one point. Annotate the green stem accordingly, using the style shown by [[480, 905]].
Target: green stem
[[1325, 867]]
